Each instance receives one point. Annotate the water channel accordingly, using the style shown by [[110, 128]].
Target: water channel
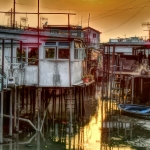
[[103, 127]]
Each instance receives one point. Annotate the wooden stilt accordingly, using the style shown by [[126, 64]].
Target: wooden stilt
[[39, 108], [31, 105], [15, 108], [1, 118], [18, 109], [10, 112]]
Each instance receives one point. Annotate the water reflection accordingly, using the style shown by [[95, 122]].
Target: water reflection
[[101, 128]]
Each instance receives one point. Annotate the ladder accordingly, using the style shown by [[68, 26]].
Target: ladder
[[69, 97], [127, 89], [115, 85]]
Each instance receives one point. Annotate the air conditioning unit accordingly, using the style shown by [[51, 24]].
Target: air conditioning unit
[[11, 80]]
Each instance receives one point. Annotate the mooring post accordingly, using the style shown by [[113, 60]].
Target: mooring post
[[39, 108]]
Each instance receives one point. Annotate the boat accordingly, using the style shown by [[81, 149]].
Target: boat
[[135, 109]]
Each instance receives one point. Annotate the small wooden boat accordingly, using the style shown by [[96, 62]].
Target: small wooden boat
[[135, 109]]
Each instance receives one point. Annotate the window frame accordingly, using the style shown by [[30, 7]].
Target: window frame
[[26, 54], [62, 47], [55, 52], [76, 49], [79, 51], [28, 50]]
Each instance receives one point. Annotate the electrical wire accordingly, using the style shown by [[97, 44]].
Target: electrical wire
[[72, 9], [94, 18], [128, 19], [75, 9], [110, 10], [26, 4]]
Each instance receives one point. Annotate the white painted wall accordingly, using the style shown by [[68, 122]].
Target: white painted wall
[[76, 71], [47, 71], [31, 75]]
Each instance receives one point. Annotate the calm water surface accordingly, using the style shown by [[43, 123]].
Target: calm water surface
[[102, 128]]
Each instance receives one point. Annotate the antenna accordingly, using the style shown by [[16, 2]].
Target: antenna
[[14, 14], [88, 20], [81, 20], [43, 19], [148, 25], [9, 15], [24, 20]]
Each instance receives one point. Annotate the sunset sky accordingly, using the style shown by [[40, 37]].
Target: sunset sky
[[114, 18]]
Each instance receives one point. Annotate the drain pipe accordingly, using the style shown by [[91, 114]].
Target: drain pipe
[[23, 119]]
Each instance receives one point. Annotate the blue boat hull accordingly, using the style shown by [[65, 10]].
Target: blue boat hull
[[135, 109]]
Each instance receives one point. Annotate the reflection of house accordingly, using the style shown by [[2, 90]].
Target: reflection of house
[[57, 62]]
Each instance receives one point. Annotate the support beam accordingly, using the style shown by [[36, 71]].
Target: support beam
[[21, 52], [1, 119], [10, 112], [15, 108], [18, 109], [2, 96], [22, 119], [39, 108], [38, 39], [11, 59]]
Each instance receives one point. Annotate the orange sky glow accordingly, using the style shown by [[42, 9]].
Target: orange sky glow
[[114, 18]]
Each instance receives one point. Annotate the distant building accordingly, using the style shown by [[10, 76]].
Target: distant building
[[92, 37], [125, 41]]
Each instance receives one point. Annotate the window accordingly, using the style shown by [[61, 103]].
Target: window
[[50, 53], [79, 53], [33, 56], [57, 50], [19, 54], [78, 44], [63, 53], [50, 43], [63, 43], [94, 35], [75, 53]]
